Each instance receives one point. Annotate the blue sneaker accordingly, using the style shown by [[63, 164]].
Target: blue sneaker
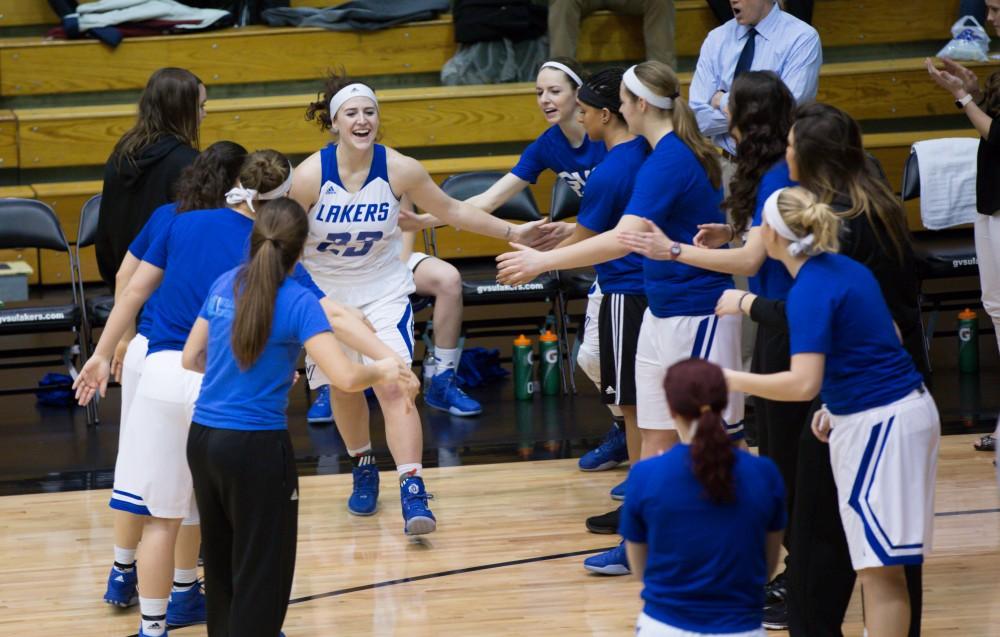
[[417, 517], [187, 607], [609, 454], [364, 497], [612, 562], [444, 394], [122, 588], [320, 411], [618, 491]]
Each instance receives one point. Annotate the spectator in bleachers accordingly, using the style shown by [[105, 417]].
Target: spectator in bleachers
[[801, 9], [657, 25], [140, 174], [760, 37]]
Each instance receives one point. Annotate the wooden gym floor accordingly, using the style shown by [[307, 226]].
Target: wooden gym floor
[[505, 561]]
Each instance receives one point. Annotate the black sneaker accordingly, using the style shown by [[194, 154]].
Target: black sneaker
[[776, 590], [606, 524], [776, 616]]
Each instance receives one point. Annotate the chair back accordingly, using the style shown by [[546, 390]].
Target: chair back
[[565, 201], [28, 223], [520, 207], [911, 178], [89, 215]]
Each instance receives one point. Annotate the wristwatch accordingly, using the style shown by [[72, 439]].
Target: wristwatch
[[675, 251], [961, 102]]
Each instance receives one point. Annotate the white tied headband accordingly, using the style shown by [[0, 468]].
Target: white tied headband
[[238, 194], [346, 93], [559, 66], [635, 85], [772, 217]]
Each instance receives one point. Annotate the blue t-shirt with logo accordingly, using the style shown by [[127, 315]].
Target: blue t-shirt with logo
[[153, 227], [835, 308], [255, 398], [608, 192], [553, 151], [674, 191], [772, 281], [706, 566]]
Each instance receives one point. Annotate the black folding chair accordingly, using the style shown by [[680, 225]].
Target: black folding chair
[[27, 223], [95, 309]]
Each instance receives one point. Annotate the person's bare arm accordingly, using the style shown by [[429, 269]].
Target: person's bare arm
[[193, 355], [637, 556], [800, 383], [772, 551]]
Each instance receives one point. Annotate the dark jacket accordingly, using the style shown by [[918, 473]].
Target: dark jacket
[[132, 194], [358, 15]]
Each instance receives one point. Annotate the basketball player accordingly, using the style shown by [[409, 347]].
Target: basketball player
[[352, 189], [240, 453], [845, 346]]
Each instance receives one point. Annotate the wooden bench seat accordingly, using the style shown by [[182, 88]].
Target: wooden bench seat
[[32, 66]]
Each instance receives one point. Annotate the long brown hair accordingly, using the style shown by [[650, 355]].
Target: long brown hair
[[662, 80], [832, 164], [697, 391], [204, 183], [168, 107], [279, 232], [762, 108]]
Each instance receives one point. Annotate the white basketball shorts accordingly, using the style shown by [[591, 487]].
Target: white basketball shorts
[[588, 357], [646, 626], [415, 259], [665, 341], [132, 364], [885, 463], [151, 474]]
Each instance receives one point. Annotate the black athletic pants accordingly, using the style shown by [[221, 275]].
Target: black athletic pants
[[247, 490]]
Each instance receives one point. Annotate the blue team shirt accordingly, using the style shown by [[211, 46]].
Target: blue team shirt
[[707, 567], [674, 191], [772, 280], [193, 251], [553, 151], [154, 226], [609, 191], [836, 308], [255, 399]]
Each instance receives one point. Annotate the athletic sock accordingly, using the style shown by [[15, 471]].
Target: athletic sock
[[412, 470], [446, 359], [184, 579], [362, 456], [124, 558], [154, 616]]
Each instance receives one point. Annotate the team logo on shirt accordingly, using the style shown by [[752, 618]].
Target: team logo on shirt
[[575, 180]]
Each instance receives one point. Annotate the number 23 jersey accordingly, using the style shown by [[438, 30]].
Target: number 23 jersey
[[354, 242]]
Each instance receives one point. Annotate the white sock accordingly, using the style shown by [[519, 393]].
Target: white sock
[[154, 616], [359, 451], [412, 470], [446, 359], [184, 579], [124, 557]]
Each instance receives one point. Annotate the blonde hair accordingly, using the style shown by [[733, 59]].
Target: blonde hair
[[805, 215], [662, 80]]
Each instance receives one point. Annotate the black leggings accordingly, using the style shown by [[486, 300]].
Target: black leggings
[[247, 491]]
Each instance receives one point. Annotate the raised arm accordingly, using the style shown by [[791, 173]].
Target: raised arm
[[960, 82], [499, 193], [654, 244]]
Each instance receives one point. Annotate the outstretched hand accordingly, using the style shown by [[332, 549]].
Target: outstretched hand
[[92, 379], [553, 233], [520, 266], [529, 233], [713, 235], [952, 78], [651, 243]]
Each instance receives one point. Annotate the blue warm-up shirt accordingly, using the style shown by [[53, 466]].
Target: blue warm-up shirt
[[772, 280], [154, 226], [553, 151]]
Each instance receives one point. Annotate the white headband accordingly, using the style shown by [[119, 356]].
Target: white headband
[[346, 93], [772, 217], [559, 66], [635, 85], [238, 194]]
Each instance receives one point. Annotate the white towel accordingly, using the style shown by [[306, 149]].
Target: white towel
[[947, 181]]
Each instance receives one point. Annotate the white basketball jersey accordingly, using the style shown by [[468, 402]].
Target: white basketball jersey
[[354, 241]]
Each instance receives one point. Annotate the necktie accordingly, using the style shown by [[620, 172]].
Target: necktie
[[746, 56]]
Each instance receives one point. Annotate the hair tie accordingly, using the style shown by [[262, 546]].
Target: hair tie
[[238, 194], [705, 409]]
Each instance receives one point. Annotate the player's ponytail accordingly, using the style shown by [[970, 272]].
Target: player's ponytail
[[662, 81], [806, 216], [279, 232], [696, 391]]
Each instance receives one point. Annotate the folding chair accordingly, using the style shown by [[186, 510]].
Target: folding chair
[[96, 309], [27, 223]]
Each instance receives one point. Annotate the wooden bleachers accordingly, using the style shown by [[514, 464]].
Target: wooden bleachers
[[33, 66]]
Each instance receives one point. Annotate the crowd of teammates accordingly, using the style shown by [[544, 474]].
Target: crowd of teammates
[[225, 309]]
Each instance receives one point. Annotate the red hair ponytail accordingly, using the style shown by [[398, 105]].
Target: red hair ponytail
[[696, 390]]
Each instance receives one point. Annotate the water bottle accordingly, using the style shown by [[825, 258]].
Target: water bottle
[[524, 384], [429, 367], [548, 352], [968, 342]]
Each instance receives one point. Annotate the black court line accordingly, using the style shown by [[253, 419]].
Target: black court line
[[527, 560]]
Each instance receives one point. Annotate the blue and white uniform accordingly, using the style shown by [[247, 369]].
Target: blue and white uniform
[[674, 191], [885, 425], [353, 249], [706, 566]]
